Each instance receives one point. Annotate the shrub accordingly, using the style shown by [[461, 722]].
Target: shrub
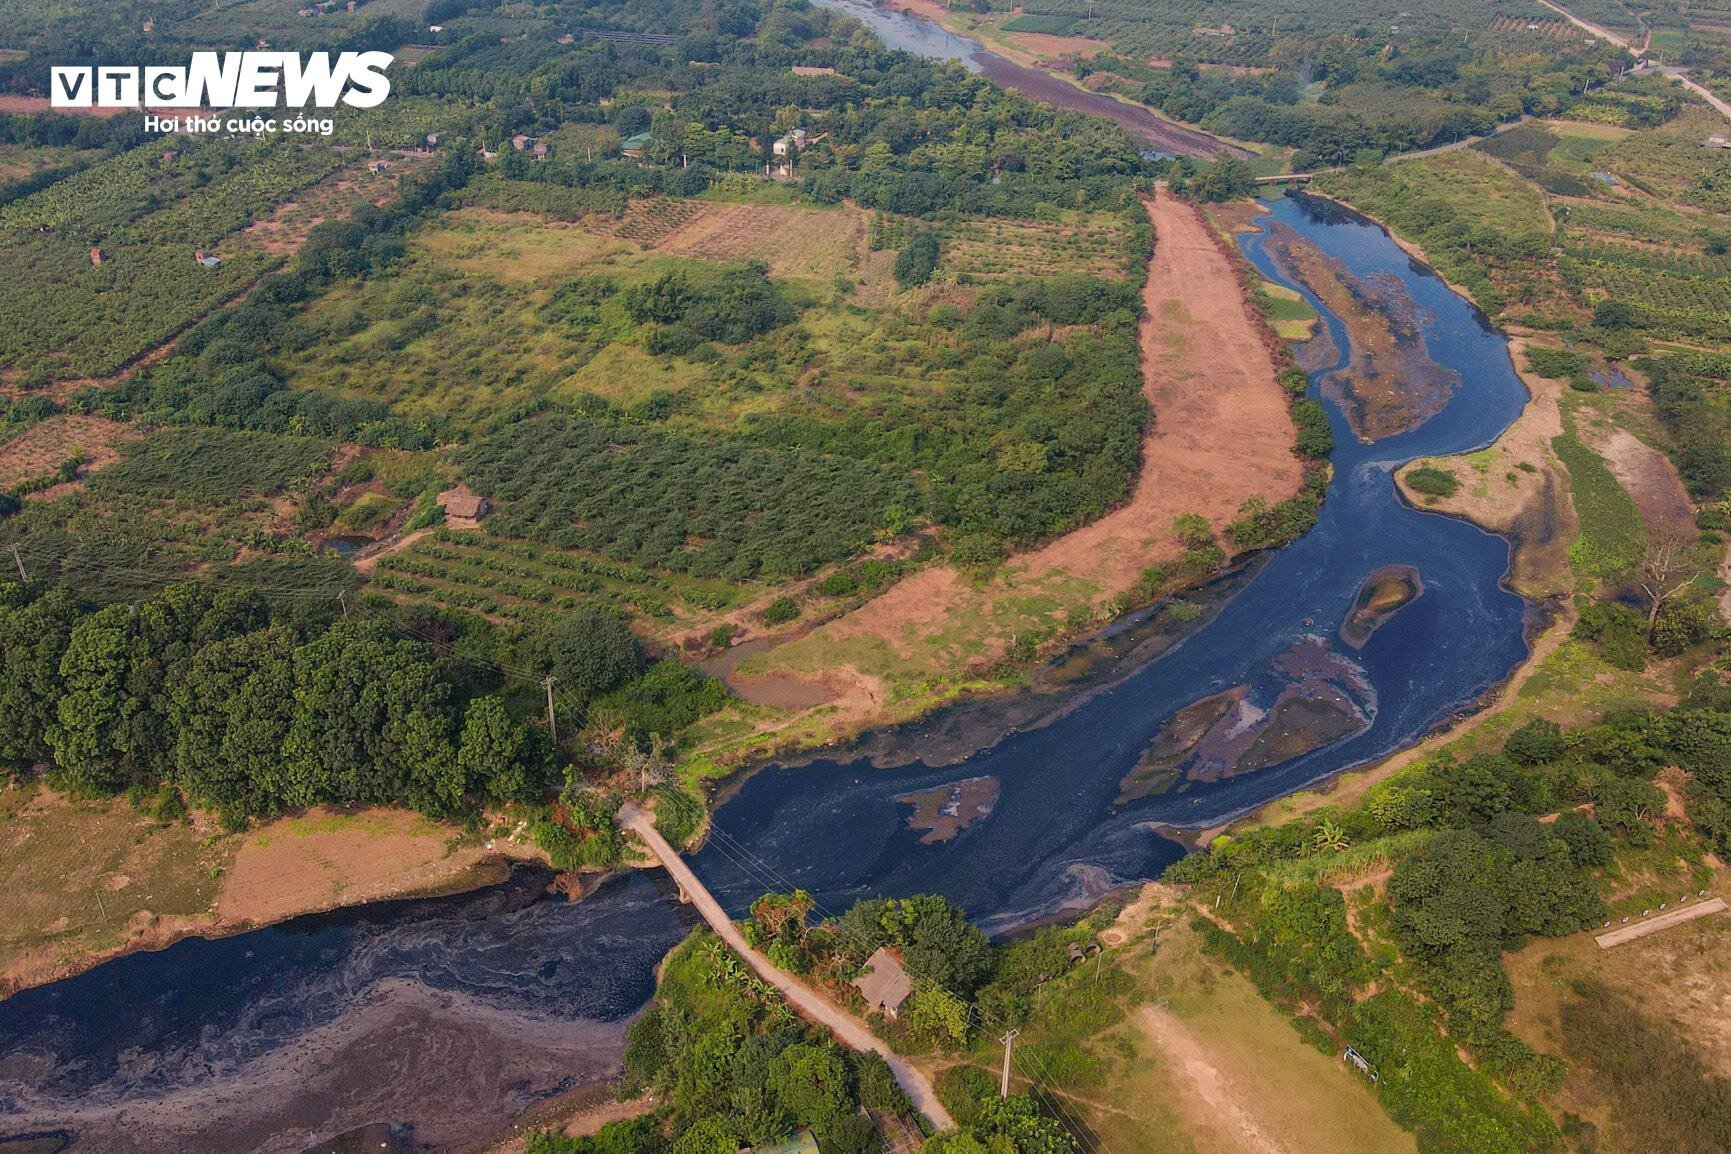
[[1315, 437], [916, 263], [780, 611], [1432, 481]]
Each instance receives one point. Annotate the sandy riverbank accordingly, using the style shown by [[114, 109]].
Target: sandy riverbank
[[90, 881]]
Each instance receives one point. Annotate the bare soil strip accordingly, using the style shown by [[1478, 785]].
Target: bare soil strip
[[1664, 921], [1221, 434]]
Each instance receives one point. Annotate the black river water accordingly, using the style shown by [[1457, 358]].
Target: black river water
[[453, 1015]]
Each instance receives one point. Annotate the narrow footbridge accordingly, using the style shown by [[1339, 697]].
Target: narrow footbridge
[[849, 1029]]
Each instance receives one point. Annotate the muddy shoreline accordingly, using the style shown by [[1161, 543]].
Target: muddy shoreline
[[490, 871]]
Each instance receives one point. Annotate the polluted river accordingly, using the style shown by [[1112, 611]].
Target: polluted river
[[447, 1017]]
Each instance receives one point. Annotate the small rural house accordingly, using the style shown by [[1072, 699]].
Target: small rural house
[[812, 70], [208, 260], [1718, 140], [795, 139], [883, 982], [460, 505], [633, 146]]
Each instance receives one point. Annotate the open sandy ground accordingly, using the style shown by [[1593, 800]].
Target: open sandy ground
[[1221, 434], [1517, 488], [83, 881], [324, 859]]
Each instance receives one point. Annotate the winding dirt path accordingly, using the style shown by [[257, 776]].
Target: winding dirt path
[[850, 1030]]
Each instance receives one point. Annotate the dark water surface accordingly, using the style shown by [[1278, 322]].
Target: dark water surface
[[1055, 838], [922, 37], [454, 1014]]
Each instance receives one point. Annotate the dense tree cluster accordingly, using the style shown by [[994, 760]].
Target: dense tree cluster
[[251, 712]]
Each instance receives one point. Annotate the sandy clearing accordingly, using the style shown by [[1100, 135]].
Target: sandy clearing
[[1221, 434], [1049, 45], [1650, 480], [41, 448], [326, 858], [1516, 488]]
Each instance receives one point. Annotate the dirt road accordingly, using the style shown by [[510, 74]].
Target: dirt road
[[1623, 42], [850, 1030]]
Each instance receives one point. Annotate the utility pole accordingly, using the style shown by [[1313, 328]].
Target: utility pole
[[19, 561], [547, 683], [343, 600], [1004, 1084]]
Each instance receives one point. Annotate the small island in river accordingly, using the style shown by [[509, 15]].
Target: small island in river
[[1382, 595]]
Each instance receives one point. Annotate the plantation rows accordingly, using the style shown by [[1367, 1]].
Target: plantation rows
[[1698, 265], [475, 582], [146, 212], [221, 177], [1646, 225], [1677, 306], [1002, 250], [523, 559], [720, 507], [650, 221], [1171, 29]]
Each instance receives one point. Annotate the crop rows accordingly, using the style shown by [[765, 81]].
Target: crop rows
[[651, 220], [1676, 263], [996, 249], [1680, 306], [478, 582]]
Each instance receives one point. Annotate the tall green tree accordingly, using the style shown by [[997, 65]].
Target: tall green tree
[[34, 635], [371, 721], [499, 755]]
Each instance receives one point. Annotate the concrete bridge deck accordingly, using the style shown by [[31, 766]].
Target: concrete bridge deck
[[852, 1032]]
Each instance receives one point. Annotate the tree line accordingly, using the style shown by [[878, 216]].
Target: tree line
[[212, 694]]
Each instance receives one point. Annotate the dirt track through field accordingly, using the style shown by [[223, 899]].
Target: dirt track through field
[[1221, 431], [1221, 434], [1230, 1107]]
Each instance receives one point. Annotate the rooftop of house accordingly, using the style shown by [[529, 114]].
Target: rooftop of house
[[460, 504], [883, 982]]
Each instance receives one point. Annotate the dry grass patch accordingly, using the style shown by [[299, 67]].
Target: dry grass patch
[[81, 879], [516, 247], [40, 449], [328, 858], [1218, 1068]]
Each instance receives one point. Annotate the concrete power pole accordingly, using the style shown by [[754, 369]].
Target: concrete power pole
[[1004, 1084], [547, 683], [19, 561]]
